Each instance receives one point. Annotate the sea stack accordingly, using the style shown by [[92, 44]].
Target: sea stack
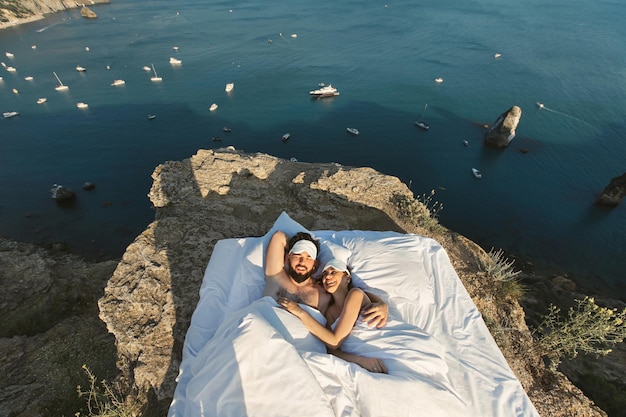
[[502, 132], [614, 192], [87, 13]]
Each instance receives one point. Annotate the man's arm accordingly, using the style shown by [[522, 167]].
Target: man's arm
[[275, 265], [377, 313], [371, 364]]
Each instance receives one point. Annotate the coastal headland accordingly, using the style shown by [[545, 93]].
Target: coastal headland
[[150, 294], [25, 11]]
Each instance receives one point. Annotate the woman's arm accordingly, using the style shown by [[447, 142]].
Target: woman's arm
[[371, 364], [349, 315]]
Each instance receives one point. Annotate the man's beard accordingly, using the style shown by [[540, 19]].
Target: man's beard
[[299, 278]]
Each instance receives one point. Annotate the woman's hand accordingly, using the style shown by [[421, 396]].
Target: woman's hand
[[290, 305], [373, 365], [375, 314]]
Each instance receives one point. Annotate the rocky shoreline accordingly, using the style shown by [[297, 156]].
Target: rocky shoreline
[[51, 298], [12, 14]]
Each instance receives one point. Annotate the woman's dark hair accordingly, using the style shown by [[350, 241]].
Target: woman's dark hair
[[302, 236]]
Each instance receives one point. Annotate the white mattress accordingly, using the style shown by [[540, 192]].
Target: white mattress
[[244, 356]]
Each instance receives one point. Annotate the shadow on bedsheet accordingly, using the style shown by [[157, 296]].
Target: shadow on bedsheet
[[197, 216]]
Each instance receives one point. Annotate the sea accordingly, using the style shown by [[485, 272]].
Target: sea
[[535, 200]]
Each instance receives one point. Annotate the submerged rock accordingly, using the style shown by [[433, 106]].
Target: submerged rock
[[502, 132], [614, 192], [60, 193]]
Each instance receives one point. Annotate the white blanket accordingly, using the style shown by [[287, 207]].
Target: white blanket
[[245, 356]]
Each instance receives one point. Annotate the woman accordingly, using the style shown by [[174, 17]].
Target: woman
[[342, 313]]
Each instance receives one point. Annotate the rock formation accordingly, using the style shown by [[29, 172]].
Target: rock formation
[[502, 132], [87, 13], [17, 12], [614, 192], [224, 193]]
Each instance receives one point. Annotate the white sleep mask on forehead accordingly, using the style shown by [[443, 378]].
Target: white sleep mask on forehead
[[304, 246]]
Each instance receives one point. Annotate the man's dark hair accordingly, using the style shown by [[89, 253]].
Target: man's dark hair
[[302, 236]]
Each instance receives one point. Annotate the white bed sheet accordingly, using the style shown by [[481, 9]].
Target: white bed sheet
[[245, 356]]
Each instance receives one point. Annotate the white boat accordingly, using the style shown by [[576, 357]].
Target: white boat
[[87, 48], [439, 80], [229, 87], [213, 107], [8, 114], [146, 68], [80, 69], [477, 173], [175, 48], [41, 100], [175, 61], [352, 130], [28, 78], [327, 91], [61, 86], [540, 105], [465, 143], [497, 55], [155, 78], [118, 82], [11, 69], [151, 116], [82, 105], [9, 55], [420, 123], [15, 91], [286, 137]]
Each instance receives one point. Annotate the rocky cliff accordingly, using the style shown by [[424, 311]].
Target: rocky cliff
[[48, 303], [213, 195], [16, 12]]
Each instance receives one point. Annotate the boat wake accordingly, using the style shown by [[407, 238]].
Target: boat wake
[[543, 107], [48, 27]]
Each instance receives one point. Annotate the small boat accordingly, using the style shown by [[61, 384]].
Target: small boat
[[151, 116], [15, 91], [82, 105], [477, 173], [465, 143], [146, 68], [286, 137], [118, 82], [3, 64], [217, 139], [9, 55], [227, 129], [41, 100], [34, 46], [213, 107], [175, 48], [87, 48], [11, 69], [8, 114], [28, 78], [439, 80], [61, 86], [420, 123], [175, 61], [80, 69], [352, 130], [294, 35], [327, 91], [108, 67], [540, 105], [229, 87], [155, 78], [497, 55]]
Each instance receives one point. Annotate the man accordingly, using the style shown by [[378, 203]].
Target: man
[[289, 268]]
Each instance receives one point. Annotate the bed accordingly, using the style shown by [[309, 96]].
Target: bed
[[245, 356]]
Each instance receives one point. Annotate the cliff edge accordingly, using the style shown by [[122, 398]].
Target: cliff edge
[[14, 13], [225, 193]]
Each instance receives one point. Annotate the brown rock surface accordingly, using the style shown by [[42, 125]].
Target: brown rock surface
[[502, 132]]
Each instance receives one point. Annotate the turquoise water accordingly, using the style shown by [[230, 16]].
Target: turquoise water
[[383, 57]]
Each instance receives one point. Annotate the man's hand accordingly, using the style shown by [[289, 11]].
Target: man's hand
[[372, 364], [375, 314]]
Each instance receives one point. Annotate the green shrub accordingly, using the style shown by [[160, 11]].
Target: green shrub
[[498, 268], [588, 329], [422, 210]]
